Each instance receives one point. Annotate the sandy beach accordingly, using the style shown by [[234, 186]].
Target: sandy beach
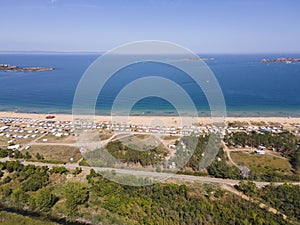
[[158, 120]]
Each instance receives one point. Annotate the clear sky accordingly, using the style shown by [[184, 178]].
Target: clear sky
[[208, 26]]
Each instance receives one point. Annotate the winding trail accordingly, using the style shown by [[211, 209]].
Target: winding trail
[[260, 204], [226, 149]]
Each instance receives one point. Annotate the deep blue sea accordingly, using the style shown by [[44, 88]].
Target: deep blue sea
[[250, 88]]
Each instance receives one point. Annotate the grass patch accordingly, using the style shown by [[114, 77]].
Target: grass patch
[[56, 152], [7, 218], [238, 123], [169, 137], [260, 163], [141, 140], [104, 135]]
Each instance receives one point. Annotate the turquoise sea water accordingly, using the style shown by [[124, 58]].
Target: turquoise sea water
[[250, 88]]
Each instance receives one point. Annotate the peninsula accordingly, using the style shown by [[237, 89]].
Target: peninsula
[[11, 68]]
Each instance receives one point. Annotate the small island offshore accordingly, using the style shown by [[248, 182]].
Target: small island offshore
[[201, 59], [11, 68], [286, 60]]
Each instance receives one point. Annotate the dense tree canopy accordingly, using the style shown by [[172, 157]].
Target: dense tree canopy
[[44, 199], [76, 194], [113, 203]]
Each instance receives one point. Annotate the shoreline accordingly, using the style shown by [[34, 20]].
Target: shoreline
[[146, 120]]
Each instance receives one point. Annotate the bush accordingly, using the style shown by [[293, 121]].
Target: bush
[[76, 194], [59, 169], [220, 169], [44, 199]]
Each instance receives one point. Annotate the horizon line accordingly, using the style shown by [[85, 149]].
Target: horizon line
[[104, 51]]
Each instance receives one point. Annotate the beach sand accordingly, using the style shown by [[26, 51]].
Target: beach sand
[[160, 120]]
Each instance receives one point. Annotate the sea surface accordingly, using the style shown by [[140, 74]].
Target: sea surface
[[250, 88]]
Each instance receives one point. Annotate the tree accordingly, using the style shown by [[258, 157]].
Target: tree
[[36, 180], [27, 155], [44, 199], [284, 197], [19, 197], [5, 191], [76, 194], [39, 156], [3, 153], [248, 188], [12, 166], [222, 170], [295, 160], [18, 154], [77, 171], [59, 169]]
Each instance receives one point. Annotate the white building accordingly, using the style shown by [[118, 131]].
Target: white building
[[14, 147], [260, 152]]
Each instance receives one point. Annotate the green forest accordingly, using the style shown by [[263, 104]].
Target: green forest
[[91, 197]]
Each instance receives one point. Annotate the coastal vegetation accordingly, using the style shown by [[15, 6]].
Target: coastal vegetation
[[76, 195], [14, 154], [190, 151], [219, 167], [8, 218], [265, 167], [286, 143], [149, 155], [94, 199], [285, 197]]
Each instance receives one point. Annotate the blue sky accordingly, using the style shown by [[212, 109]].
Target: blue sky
[[204, 26]]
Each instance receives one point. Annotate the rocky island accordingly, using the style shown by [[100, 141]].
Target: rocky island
[[201, 59], [286, 60], [11, 68]]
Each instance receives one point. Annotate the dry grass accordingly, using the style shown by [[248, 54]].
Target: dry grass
[[261, 162], [7, 218], [169, 137], [52, 139], [238, 123], [56, 152], [104, 135], [258, 123], [141, 140]]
